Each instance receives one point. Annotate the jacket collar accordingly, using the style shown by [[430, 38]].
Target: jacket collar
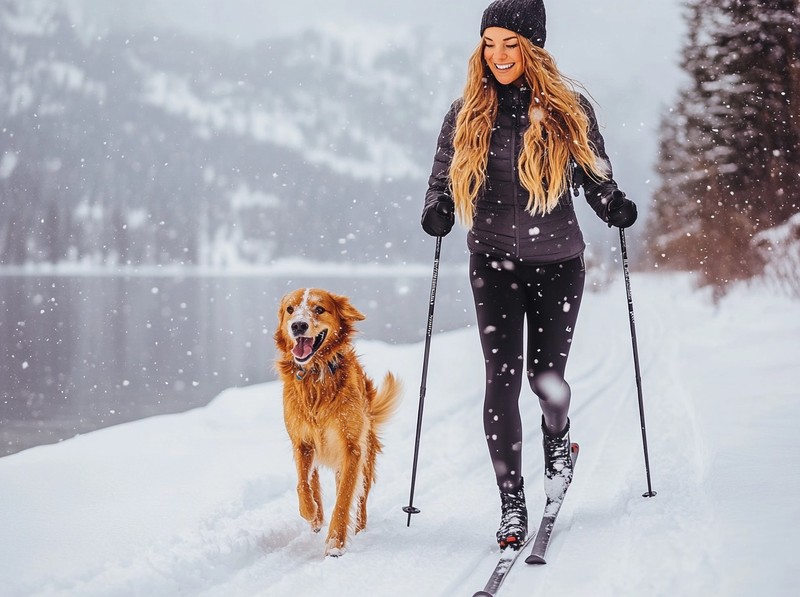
[[513, 99]]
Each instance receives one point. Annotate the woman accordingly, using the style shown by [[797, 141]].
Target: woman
[[509, 154]]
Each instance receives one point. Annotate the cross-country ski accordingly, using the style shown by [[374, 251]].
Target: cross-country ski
[[507, 558], [540, 541], [551, 510]]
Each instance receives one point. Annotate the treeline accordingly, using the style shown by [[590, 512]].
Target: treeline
[[730, 146]]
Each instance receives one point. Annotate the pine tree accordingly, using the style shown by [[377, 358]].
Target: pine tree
[[730, 149]]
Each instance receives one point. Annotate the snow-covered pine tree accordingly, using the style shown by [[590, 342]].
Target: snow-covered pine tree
[[730, 148]]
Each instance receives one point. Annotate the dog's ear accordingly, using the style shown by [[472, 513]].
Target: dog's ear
[[279, 336], [346, 309], [282, 309]]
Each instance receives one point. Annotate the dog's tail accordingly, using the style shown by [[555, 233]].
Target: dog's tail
[[386, 399]]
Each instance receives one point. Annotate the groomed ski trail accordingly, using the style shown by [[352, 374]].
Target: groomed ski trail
[[204, 504]]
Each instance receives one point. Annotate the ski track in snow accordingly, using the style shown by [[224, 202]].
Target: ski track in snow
[[241, 533]]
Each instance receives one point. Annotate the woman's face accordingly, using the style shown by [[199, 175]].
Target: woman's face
[[501, 52]]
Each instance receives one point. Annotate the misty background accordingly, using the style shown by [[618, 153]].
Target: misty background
[[168, 169], [625, 53]]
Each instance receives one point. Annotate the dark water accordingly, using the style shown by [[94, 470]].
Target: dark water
[[82, 352]]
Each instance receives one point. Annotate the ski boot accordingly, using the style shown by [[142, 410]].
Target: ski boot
[[557, 462], [514, 520]]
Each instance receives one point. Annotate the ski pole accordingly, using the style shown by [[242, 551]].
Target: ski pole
[[410, 509], [624, 249]]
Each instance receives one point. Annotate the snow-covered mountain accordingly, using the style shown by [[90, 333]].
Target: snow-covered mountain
[[149, 132], [165, 148]]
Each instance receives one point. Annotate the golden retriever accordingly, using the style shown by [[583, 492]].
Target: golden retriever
[[332, 409]]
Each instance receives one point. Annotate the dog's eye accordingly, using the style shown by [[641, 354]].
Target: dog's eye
[[319, 310], [290, 309]]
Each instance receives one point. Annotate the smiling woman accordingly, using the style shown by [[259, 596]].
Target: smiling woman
[[502, 54], [510, 153]]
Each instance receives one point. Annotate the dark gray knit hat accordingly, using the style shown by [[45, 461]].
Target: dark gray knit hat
[[526, 17]]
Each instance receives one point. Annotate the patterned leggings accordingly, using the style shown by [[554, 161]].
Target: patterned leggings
[[506, 294]]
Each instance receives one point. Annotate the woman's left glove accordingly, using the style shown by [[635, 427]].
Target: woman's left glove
[[621, 210]]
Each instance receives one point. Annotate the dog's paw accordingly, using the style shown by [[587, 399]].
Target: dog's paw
[[333, 549], [315, 522]]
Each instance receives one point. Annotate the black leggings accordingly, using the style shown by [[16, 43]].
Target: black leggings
[[506, 293]]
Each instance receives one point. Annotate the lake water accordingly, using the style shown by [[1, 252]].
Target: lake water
[[81, 352]]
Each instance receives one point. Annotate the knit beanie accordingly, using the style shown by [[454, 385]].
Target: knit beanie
[[526, 17]]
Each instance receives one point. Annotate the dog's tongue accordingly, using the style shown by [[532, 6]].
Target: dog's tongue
[[303, 347]]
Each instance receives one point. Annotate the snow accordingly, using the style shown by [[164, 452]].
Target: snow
[[8, 162], [203, 503]]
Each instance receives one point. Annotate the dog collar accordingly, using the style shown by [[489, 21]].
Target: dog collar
[[333, 367]]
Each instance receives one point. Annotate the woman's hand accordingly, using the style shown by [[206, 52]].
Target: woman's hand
[[438, 218], [621, 210]]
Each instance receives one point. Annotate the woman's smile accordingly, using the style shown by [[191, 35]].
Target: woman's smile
[[502, 54]]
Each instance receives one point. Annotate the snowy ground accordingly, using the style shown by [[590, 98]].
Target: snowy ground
[[203, 503]]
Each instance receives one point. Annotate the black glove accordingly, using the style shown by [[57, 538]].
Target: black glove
[[438, 218], [621, 210]]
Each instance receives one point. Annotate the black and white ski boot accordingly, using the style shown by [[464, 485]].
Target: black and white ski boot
[[557, 462], [514, 519]]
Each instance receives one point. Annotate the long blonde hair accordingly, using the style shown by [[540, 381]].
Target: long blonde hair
[[558, 130]]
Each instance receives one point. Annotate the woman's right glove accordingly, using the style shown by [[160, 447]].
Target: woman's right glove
[[437, 217], [621, 210]]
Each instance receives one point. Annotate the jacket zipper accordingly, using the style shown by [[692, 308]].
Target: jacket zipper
[[515, 129]]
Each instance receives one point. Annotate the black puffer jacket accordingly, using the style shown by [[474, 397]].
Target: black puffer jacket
[[502, 226]]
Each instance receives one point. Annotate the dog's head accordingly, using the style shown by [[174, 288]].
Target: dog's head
[[314, 323]]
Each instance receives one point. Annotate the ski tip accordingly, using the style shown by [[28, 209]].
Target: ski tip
[[574, 447], [483, 594], [535, 559]]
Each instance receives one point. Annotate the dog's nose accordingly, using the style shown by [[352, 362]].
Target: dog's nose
[[299, 328]]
